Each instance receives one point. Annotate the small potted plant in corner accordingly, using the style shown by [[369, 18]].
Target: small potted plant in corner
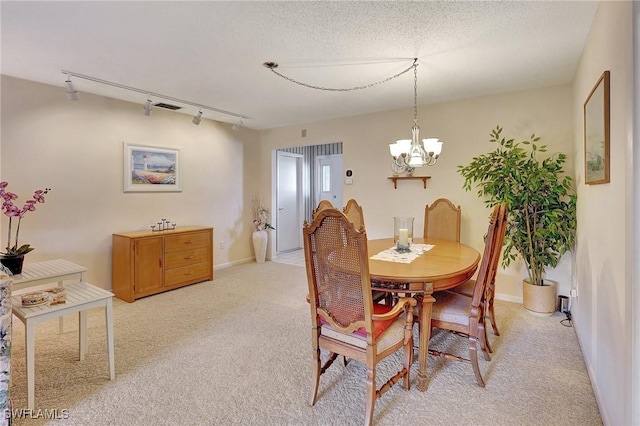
[[260, 224], [13, 256], [541, 205]]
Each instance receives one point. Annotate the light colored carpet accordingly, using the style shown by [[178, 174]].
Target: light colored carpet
[[237, 351]]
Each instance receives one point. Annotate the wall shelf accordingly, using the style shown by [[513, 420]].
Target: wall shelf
[[395, 180]]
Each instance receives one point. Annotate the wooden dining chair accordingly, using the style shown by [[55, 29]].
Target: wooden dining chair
[[344, 319], [353, 211], [442, 220], [322, 205], [466, 315], [468, 287]]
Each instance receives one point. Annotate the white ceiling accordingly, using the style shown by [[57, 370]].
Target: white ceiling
[[212, 53]]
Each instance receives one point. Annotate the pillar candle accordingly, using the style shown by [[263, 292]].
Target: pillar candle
[[403, 236]]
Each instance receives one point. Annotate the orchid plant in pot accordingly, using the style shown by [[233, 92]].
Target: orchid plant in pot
[[13, 256], [260, 224], [260, 216]]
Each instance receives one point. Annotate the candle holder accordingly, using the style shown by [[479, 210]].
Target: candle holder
[[163, 225], [403, 233]]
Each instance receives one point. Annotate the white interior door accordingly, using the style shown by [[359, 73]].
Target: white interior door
[[329, 179], [288, 201]]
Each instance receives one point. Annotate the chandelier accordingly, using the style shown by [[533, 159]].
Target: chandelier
[[411, 153]]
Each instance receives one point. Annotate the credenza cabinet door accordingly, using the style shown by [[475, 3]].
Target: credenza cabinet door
[[149, 271]]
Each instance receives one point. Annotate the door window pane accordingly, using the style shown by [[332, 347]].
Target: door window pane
[[326, 178]]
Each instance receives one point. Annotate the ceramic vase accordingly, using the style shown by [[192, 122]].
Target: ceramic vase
[[260, 245]]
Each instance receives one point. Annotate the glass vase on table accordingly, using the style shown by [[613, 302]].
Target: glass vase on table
[[403, 233]]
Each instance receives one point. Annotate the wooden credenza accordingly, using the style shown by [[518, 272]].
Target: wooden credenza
[[146, 263]]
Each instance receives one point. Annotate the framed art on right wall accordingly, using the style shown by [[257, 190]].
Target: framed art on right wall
[[596, 133]]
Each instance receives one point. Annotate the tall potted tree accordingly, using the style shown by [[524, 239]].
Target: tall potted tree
[[541, 204]]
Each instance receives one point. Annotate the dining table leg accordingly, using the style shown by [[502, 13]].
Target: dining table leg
[[424, 335]]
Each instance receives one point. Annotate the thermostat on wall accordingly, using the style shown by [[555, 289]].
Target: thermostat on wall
[[349, 179]]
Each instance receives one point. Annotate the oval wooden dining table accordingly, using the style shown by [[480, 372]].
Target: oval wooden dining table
[[446, 265]]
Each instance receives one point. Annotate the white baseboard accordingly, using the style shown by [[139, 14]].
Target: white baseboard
[[235, 262], [507, 298]]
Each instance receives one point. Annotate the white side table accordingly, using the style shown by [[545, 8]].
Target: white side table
[[80, 298], [37, 273], [49, 271]]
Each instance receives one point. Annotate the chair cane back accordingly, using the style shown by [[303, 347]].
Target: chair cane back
[[344, 319], [322, 205], [442, 220], [354, 212], [466, 315]]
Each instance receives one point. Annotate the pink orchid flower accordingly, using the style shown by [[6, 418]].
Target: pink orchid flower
[[11, 210]]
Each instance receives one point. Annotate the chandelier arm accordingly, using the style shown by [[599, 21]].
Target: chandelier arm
[[272, 65]]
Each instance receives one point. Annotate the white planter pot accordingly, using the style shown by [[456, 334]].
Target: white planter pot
[[260, 245], [540, 299]]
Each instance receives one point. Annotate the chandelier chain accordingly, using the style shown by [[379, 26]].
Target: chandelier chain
[[331, 89], [415, 91]]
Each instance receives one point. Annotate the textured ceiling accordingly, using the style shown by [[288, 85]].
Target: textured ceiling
[[212, 53]]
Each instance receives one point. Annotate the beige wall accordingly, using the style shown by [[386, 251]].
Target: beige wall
[[76, 149], [603, 310], [464, 126]]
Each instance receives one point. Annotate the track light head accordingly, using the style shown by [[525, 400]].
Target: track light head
[[237, 127], [72, 93], [146, 110], [197, 118]]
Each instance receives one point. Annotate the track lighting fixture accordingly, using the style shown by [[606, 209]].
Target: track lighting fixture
[[146, 110], [197, 118], [72, 93]]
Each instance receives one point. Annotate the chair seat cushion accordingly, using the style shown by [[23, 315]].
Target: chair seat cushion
[[378, 326], [451, 307], [391, 336], [466, 288]]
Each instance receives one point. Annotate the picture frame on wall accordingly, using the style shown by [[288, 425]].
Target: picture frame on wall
[[149, 168], [596, 133]]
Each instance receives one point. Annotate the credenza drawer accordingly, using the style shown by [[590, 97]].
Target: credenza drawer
[[186, 241], [181, 258], [187, 274]]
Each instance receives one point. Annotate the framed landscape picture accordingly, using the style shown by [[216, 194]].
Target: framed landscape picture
[[596, 133], [150, 168]]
